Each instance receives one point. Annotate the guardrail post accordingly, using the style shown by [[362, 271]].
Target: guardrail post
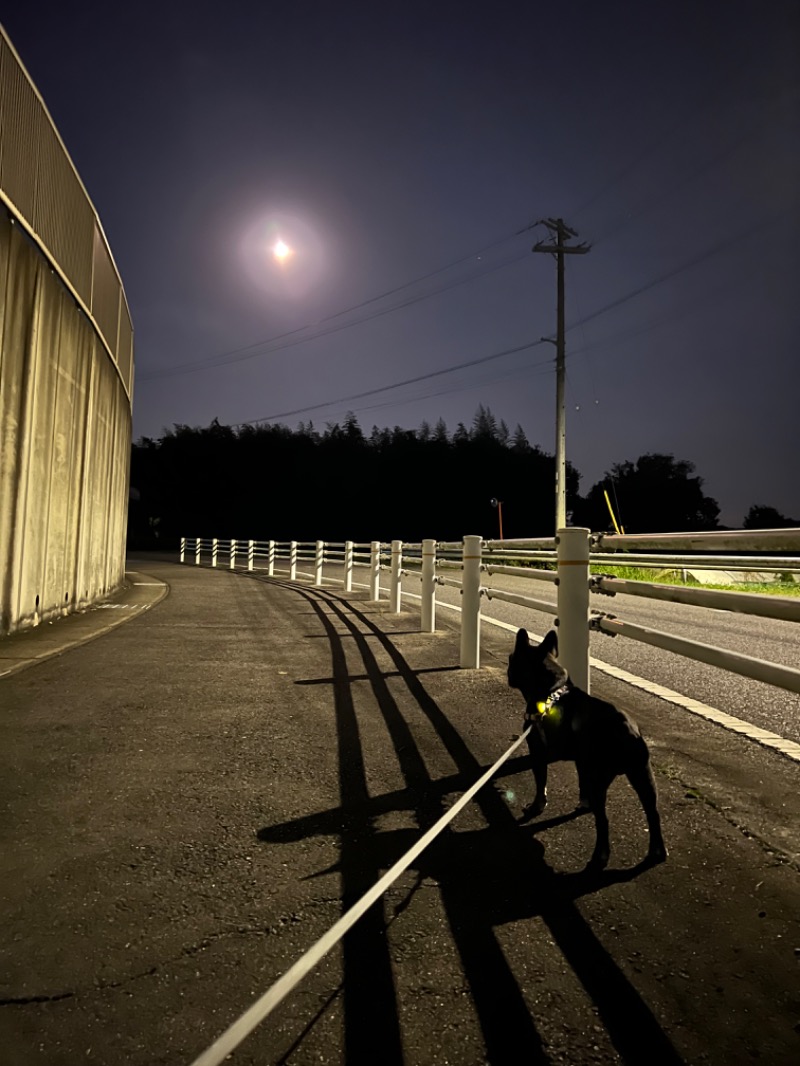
[[471, 604], [428, 621], [197, 546], [375, 570], [251, 550], [214, 545], [292, 560], [319, 561], [233, 554], [573, 603], [271, 558], [183, 548], [396, 584], [348, 566]]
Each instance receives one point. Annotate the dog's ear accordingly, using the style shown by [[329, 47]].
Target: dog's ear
[[549, 645], [522, 640]]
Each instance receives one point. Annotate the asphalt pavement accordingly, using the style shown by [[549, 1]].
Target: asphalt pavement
[[192, 798]]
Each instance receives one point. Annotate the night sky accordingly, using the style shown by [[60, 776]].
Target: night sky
[[402, 151]]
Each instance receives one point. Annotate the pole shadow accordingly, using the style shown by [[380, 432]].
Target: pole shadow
[[486, 877]]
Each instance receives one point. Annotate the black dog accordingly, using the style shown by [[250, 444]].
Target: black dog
[[569, 724]]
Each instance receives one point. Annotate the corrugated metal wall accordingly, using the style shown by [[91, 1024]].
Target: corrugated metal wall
[[66, 367]]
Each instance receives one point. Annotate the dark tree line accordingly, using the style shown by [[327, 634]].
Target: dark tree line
[[655, 494], [271, 482], [760, 517]]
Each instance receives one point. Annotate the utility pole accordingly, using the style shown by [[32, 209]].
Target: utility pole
[[558, 247]]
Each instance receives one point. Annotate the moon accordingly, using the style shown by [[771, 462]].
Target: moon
[[282, 251]]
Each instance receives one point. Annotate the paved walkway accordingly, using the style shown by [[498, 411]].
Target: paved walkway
[[190, 799]]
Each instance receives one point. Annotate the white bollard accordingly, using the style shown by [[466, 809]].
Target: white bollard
[[573, 603], [183, 549], [396, 584], [319, 562], [233, 555], [251, 550], [471, 604], [197, 546], [214, 546], [292, 560], [348, 566], [271, 558], [428, 621], [375, 570]]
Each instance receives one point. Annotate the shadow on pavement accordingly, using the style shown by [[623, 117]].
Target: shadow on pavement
[[486, 877]]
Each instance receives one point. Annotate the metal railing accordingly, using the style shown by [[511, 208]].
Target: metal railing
[[564, 561]]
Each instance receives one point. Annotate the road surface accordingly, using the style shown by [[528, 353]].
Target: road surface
[[193, 798]]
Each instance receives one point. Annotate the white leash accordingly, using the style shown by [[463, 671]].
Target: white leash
[[265, 1004]]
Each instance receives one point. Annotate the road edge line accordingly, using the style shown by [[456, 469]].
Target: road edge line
[[761, 736]]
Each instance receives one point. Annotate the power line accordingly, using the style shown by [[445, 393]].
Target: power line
[[694, 261], [545, 367], [721, 246], [313, 331], [671, 317], [778, 98], [394, 385], [632, 164], [710, 164]]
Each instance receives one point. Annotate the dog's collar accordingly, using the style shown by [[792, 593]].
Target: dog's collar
[[543, 706]]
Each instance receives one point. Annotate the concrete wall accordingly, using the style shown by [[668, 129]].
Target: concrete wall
[[66, 368]]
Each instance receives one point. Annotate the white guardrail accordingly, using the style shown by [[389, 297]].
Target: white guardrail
[[564, 561]]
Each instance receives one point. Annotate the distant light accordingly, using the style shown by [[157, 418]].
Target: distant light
[[282, 251]]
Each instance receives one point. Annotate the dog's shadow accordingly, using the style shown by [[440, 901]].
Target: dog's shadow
[[490, 873], [496, 875], [543, 824], [536, 825], [588, 879]]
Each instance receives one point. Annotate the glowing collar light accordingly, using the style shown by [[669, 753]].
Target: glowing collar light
[[548, 706]]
